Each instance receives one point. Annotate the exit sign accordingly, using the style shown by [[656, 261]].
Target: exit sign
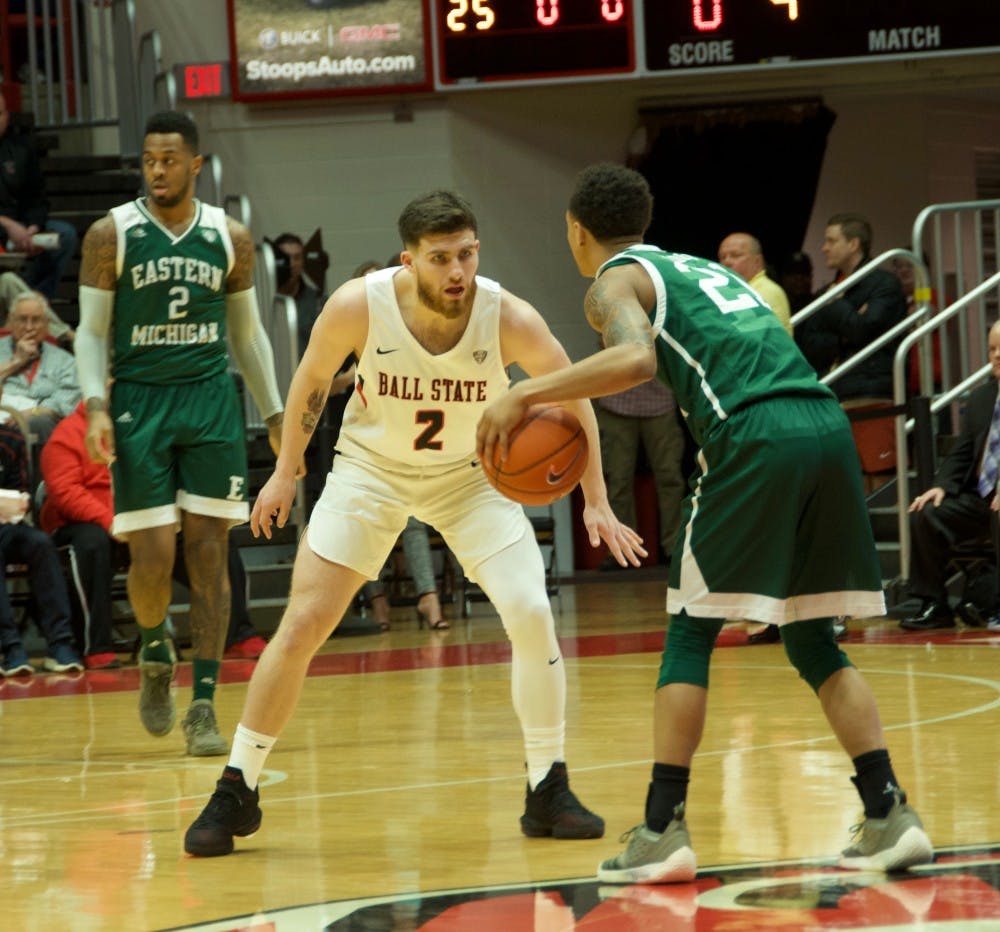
[[202, 81]]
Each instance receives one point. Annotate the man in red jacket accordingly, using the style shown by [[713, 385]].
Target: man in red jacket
[[77, 511]]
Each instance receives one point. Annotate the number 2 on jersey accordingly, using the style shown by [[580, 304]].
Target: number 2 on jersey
[[179, 298], [715, 285], [434, 419]]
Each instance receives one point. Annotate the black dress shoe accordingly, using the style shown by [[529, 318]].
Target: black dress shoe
[[932, 615], [768, 635], [970, 615]]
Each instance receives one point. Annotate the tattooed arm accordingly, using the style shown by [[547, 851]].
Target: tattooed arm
[[340, 330], [615, 306]]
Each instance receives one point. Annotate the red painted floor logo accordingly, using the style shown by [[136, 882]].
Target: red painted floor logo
[[960, 891]]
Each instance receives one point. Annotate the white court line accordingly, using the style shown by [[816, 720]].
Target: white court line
[[169, 804]]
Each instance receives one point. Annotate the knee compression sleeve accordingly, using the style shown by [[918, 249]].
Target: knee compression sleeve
[[688, 649], [813, 651]]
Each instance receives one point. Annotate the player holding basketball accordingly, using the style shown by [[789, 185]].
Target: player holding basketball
[[433, 341], [165, 277], [776, 463]]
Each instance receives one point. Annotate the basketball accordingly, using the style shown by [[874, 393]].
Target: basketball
[[547, 454]]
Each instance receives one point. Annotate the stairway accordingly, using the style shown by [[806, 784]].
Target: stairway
[[82, 189]]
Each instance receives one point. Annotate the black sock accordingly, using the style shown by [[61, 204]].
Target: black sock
[[876, 783], [667, 791]]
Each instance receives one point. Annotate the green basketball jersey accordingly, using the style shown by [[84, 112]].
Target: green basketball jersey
[[169, 319], [718, 345]]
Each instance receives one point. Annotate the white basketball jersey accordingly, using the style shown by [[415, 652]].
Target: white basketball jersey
[[414, 407]]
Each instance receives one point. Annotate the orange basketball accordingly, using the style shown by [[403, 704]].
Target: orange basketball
[[547, 454]]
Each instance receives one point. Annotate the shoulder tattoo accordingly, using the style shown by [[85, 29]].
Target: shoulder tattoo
[[98, 255]]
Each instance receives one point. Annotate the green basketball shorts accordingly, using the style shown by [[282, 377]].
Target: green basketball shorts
[[776, 528], [178, 448]]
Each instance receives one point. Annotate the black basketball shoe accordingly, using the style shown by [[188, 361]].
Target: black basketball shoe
[[232, 810], [551, 809]]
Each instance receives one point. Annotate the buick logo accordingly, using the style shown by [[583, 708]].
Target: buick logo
[[268, 38]]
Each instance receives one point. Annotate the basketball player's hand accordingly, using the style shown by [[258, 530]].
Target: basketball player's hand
[[100, 437], [624, 544], [273, 505], [498, 420], [935, 496]]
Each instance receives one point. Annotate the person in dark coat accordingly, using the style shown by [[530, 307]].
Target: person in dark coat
[[955, 509], [863, 313]]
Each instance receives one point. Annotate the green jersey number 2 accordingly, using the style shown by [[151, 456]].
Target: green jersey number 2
[[728, 296], [180, 297]]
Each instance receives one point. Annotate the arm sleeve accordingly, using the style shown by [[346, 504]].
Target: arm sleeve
[[252, 350], [91, 344]]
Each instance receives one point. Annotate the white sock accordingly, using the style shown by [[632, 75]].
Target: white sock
[[250, 750], [542, 748]]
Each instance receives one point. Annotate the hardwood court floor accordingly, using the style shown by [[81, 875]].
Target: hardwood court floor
[[399, 784]]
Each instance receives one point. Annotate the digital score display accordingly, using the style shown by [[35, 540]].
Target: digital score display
[[693, 34], [510, 40]]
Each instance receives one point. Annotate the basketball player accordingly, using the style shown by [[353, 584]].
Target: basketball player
[[776, 464], [164, 278], [433, 341]]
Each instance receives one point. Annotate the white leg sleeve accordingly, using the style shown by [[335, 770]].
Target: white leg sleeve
[[514, 581]]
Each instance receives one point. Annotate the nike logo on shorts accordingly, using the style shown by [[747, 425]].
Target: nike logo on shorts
[[382, 352]]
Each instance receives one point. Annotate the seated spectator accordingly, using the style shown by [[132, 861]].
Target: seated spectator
[[22, 544], [77, 512], [797, 280], [864, 312], [742, 253], [960, 507], [37, 377], [12, 286], [24, 210]]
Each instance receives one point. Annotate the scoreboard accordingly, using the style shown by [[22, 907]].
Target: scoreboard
[[310, 48]]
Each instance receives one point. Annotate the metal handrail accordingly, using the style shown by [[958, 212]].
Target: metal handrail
[[932, 217], [899, 397]]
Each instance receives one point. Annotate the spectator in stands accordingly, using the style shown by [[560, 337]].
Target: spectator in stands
[[743, 253], [961, 506], [37, 377], [77, 511], [21, 543], [291, 282], [863, 313], [11, 286], [645, 414], [24, 210], [797, 280]]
